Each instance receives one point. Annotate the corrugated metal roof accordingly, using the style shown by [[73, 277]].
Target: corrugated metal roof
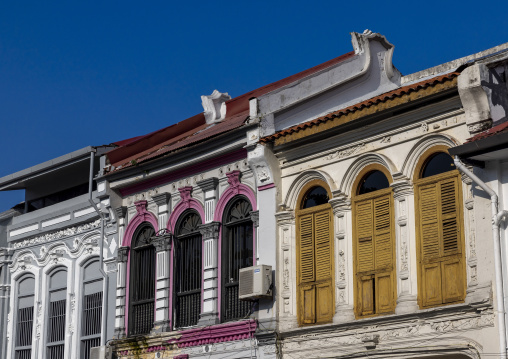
[[402, 91]]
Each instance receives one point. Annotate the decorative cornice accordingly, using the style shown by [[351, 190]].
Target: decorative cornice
[[163, 242], [122, 254], [210, 230], [208, 184], [216, 334]]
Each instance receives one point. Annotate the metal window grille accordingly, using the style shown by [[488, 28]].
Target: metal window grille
[[237, 253], [142, 284], [187, 271], [56, 329], [91, 323], [24, 318]]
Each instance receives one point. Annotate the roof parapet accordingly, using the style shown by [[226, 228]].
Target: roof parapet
[[214, 106]]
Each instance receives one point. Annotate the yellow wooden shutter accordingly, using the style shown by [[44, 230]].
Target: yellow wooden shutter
[[365, 257], [383, 247], [307, 271], [324, 275], [442, 277]]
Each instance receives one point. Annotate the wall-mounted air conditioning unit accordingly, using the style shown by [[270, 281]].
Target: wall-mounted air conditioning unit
[[255, 282], [101, 353]]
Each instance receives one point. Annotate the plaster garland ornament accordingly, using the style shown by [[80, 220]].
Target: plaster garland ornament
[[342, 266], [346, 152], [285, 280], [404, 257], [58, 234]]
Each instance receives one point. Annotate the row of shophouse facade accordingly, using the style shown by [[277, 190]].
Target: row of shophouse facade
[[377, 200]]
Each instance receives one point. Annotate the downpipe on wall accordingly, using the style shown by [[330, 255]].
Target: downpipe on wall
[[497, 217], [101, 250]]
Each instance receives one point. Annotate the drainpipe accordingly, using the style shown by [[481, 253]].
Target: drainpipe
[[101, 256], [497, 217]]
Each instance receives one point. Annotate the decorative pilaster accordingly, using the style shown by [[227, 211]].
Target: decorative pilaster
[[403, 196], [121, 282], [286, 262], [162, 201], [344, 307], [209, 188], [210, 312], [254, 217], [121, 215], [162, 246]]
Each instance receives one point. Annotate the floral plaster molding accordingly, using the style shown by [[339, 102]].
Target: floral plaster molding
[[58, 234]]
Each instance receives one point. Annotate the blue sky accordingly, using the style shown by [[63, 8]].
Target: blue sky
[[74, 74]]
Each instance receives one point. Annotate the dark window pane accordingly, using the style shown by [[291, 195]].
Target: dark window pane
[[439, 163], [314, 197], [373, 181]]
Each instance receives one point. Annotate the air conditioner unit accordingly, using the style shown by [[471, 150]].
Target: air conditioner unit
[[255, 282], [101, 353]]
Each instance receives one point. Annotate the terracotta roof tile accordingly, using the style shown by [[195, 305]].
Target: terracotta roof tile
[[501, 128], [402, 91]]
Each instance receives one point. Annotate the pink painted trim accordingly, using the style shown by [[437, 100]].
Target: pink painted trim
[[142, 216], [216, 334], [186, 172], [266, 186], [235, 188]]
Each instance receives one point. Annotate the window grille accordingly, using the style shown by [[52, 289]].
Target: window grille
[[237, 253], [25, 318], [56, 315], [187, 271], [142, 283], [91, 319]]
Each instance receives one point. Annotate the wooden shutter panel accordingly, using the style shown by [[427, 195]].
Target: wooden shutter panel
[[365, 257], [449, 215], [324, 275], [383, 245], [307, 272], [429, 226]]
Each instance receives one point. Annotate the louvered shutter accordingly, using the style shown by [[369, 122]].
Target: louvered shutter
[[324, 285], [383, 254], [306, 270], [442, 277], [365, 257]]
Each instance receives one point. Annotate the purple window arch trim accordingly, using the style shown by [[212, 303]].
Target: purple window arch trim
[[235, 188], [141, 216], [185, 203]]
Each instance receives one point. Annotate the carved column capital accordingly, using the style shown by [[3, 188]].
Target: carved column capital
[[340, 202], [121, 212], [210, 230], [284, 217], [208, 184], [254, 217], [162, 242], [123, 254], [402, 188], [162, 198]]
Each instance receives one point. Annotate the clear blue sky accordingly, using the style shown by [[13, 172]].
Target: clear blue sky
[[74, 74]]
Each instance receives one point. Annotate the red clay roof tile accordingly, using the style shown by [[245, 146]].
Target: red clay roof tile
[[501, 128]]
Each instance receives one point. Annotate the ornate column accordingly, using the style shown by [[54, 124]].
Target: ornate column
[[209, 188], [162, 246], [121, 282], [286, 269], [209, 310], [405, 246], [121, 213], [344, 273], [162, 201]]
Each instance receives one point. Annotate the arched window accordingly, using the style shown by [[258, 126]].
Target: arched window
[[91, 316], [142, 281], [187, 270], [315, 256], [25, 317], [373, 243], [57, 314], [438, 203], [237, 253]]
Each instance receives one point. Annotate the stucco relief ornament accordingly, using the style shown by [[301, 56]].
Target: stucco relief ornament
[[185, 195], [286, 274], [234, 180], [346, 152], [424, 127], [403, 257], [342, 266]]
